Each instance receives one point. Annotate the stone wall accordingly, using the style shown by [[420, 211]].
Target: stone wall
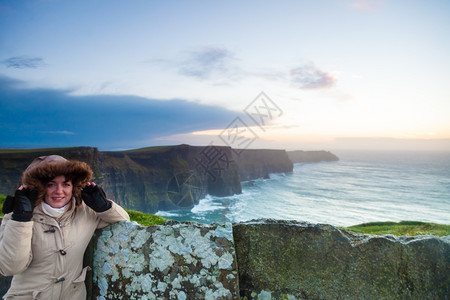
[[291, 260], [177, 261], [263, 259]]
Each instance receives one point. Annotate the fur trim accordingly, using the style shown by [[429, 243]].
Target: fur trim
[[45, 168]]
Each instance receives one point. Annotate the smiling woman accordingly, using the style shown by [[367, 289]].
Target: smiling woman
[[58, 191], [47, 226]]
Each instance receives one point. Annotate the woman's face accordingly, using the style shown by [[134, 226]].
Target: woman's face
[[58, 192]]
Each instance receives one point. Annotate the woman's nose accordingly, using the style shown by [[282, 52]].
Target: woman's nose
[[59, 188]]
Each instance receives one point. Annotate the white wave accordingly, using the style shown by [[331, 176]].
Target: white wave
[[277, 176], [166, 214], [209, 203]]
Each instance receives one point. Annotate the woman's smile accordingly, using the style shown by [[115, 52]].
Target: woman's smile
[[58, 192]]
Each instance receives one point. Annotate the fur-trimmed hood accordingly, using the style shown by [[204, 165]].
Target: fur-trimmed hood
[[44, 168]]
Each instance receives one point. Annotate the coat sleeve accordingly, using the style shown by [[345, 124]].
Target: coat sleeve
[[15, 246], [113, 215]]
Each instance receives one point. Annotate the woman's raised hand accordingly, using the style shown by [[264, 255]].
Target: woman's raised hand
[[22, 204], [95, 197]]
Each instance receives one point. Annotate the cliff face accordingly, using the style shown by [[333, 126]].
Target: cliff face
[[300, 156], [259, 163], [164, 178]]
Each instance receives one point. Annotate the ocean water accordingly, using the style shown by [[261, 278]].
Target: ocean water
[[361, 187]]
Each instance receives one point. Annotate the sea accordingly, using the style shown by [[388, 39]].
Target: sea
[[363, 186]]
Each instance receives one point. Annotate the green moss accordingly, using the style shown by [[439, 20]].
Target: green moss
[[410, 228], [145, 219]]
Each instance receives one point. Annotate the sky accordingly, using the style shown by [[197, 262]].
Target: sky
[[310, 75]]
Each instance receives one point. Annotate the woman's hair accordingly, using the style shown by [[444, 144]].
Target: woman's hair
[[45, 168]]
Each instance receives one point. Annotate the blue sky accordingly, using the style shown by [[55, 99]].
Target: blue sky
[[121, 74]]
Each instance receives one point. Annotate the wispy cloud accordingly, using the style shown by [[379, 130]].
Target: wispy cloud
[[23, 62], [62, 132], [310, 77], [367, 5], [209, 62]]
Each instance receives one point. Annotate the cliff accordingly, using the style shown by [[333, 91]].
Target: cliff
[[259, 163], [263, 259], [172, 177], [300, 156], [158, 178]]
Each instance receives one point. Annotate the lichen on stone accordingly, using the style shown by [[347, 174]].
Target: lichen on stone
[[176, 261]]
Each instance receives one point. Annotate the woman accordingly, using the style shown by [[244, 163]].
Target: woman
[[47, 227]]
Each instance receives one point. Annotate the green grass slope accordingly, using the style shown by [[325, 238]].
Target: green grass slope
[[409, 228]]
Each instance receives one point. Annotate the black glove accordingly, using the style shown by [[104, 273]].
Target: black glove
[[8, 205], [21, 204], [95, 198]]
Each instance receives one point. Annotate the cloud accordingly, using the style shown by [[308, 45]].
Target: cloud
[[384, 143], [310, 77], [64, 132], [23, 62], [36, 118], [208, 62], [367, 5]]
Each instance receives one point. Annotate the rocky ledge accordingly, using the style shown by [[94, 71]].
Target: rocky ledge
[[292, 260]]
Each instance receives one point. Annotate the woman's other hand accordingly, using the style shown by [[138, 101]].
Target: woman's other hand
[[95, 197], [21, 204]]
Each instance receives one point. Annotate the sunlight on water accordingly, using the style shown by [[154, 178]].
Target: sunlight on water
[[361, 187]]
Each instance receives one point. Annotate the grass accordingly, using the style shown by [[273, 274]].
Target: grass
[[137, 216], [410, 228], [145, 219], [2, 200]]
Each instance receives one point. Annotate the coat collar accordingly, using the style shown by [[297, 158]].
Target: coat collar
[[40, 216]]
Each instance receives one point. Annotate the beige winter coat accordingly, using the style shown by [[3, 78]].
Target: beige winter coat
[[46, 257]]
